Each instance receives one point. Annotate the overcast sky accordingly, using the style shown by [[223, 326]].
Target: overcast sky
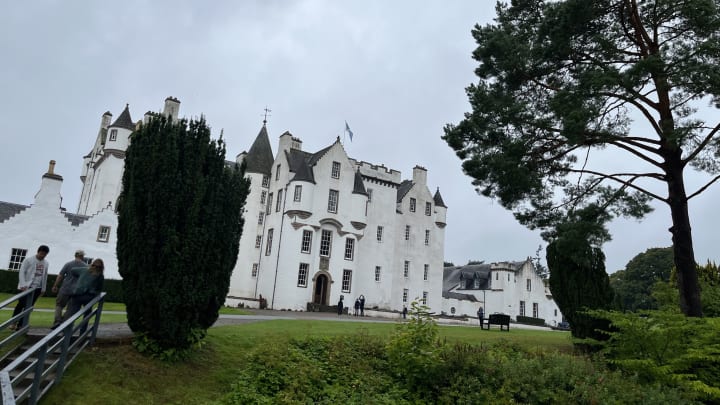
[[395, 70]]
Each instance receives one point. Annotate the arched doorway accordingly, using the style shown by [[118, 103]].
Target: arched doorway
[[320, 294]]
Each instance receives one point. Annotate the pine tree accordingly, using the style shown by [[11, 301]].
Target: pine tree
[[179, 226]]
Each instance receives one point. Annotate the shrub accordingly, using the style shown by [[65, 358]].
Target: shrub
[[528, 320]]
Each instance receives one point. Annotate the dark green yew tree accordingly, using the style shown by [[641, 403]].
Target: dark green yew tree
[[561, 80], [179, 226]]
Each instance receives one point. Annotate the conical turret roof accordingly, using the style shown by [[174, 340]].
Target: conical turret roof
[[438, 199], [124, 120], [259, 158], [359, 187]]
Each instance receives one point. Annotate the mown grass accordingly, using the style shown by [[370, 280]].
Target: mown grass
[[119, 375]]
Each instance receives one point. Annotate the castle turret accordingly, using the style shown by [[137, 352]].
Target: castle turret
[[440, 209]]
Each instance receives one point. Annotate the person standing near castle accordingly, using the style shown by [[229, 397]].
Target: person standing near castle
[[68, 280], [32, 275], [89, 284], [362, 305], [340, 306]]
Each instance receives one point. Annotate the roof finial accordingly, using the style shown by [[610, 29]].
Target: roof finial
[[267, 110]]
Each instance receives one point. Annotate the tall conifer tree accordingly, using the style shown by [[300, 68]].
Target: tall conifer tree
[[180, 221]]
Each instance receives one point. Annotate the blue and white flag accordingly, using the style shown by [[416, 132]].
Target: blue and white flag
[[347, 129]]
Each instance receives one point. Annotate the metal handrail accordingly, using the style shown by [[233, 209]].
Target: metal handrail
[[27, 295], [62, 341]]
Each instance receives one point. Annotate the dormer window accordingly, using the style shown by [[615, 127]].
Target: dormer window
[[113, 135]]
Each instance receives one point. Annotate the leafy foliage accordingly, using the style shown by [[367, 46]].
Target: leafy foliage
[[633, 285], [179, 225], [665, 293], [666, 348], [550, 127]]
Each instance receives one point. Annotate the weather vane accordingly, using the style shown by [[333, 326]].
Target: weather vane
[[267, 110]]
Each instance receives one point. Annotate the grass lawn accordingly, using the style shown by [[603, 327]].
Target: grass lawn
[[119, 375]]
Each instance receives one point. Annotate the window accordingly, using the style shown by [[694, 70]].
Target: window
[[258, 241], [261, 216], [335, 170], [426, 270], [522, 308], [476, 283], [302, 275], [333, 201], [269, 204], [306, 242], [536, 309], [407, 232], [427, 237], [103, 234], [428, 208], [413, 203], [263, 197], [16, 258], [424, 297], [379, 233], [325, 242], [277, 172], [349, 248], [255, 270], [406, 269], [497, 275], [369, 191], [556, 312], [266, 181], [298, 193], [377, 273], [529, 285], [268, 245], [113, 134], [405, 294], [278, 203], [346, 280]]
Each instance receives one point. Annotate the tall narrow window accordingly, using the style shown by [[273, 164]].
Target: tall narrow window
[[406, 269], [266, 181], [426, 270], [269, 204], [278, 203], [349, 248], [258, 241], [113, 134], [325, 242], [413, 203], [424, 298], [428, 208], [261, 217], [529, 285], [333, 201], [346, 280], [263, 197], [427, 237], [302, 275], [16, 258], [277, 172], [335, 170], [535, 310], [377, 273], [306, 242], [298, 193], [369, 191], [268, 243], [405, 294], [407, 232], [379, 233], [103, 234], [522, 308], [255, 270]]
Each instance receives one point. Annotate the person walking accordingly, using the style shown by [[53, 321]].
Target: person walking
[[66, 280], [362, 305], [340, 306], [89, 284], [32, 275], [404, 312], [357, 306], [481, 316]]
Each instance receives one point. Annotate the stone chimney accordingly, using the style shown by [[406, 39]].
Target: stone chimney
[[172, 108], [49, 194], [420, 176]]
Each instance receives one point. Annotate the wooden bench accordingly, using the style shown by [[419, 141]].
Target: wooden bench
[[496, 319]]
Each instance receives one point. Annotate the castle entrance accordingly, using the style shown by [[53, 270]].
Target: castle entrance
[[320, 294]]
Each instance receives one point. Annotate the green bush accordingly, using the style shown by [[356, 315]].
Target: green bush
[[528, 320]]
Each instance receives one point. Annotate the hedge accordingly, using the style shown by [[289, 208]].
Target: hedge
[[9, 282], [528, 320]]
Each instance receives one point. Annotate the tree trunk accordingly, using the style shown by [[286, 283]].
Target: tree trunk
[[688, 285]]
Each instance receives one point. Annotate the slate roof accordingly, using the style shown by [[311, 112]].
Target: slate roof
[[453, 276], [124, 120], [75, 219], [403, 189], [438, 199], [359, 187], [259, 158], [8, 210], [298, 164]]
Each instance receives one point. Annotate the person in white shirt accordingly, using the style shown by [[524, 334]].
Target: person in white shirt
[[32, 275]]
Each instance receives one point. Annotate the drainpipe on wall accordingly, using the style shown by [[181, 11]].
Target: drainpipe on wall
[[277, 262]]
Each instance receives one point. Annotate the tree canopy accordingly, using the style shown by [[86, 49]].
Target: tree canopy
[[595, 102], [179, 226], [633, 285]]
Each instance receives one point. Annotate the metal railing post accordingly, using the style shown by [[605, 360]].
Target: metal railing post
[[39, 368], [98, 313]]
